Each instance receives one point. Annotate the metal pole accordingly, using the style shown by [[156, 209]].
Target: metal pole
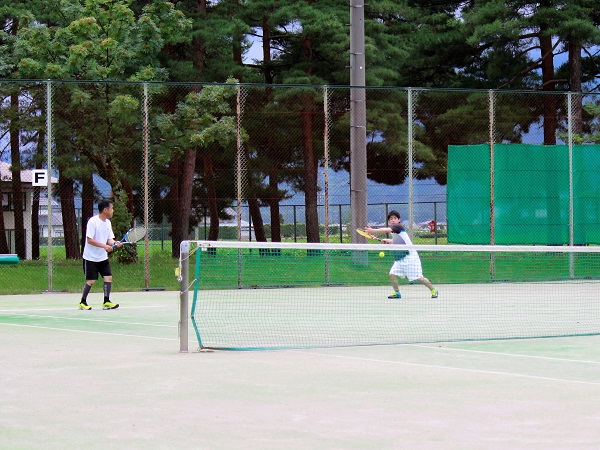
[[570, 143], [49, 169], [240, 179], [571, 199], [410, 162], [341, 223], [326, 160], [492, 130], [239, 193], [358, 121], [146, 184], [326, 175], [184, 282], [435, 221]]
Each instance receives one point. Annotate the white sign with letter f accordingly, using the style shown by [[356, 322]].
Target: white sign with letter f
[[39, 177]]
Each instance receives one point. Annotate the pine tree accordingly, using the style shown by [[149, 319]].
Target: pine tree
[[99, 40]]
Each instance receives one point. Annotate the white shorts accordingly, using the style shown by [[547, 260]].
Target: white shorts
[[408, 267]]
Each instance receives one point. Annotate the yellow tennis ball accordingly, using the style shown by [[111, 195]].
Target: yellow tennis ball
[[381, 254]]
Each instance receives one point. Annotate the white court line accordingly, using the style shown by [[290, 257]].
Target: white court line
[[91, 332], [433, 366], [18, 310], [515, 355], [83, 319]]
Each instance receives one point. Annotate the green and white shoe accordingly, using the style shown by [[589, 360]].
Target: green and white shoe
[[110, 305]]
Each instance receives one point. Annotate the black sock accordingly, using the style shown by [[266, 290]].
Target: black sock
[[107, 287], [86, 290]]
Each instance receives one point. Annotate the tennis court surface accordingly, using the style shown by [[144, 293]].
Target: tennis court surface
[[116, 380]]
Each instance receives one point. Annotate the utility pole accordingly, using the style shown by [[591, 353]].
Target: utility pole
[[358, 121]]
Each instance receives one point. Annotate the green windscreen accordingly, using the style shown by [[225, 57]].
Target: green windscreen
[[531, 194], [468, 194]]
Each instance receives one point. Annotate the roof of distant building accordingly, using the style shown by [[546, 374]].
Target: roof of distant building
[[26, 174]]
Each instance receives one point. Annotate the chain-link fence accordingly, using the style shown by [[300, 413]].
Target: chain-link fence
[[272, 162]]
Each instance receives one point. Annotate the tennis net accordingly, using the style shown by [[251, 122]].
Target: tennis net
[[257, 295]]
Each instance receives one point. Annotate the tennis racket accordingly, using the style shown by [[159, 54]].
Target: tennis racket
[[133, 236], [367, 235]]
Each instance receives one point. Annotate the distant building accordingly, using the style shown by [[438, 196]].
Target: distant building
[[57, 223], [247, 231], [8, 207]]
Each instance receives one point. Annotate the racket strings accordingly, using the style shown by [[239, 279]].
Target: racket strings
[[136, 234]]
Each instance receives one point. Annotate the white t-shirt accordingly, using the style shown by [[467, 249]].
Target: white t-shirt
[[101, 231]]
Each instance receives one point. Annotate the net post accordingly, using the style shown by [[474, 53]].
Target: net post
[[184, 282]]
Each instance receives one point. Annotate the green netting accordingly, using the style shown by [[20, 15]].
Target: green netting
[[531, 194], [468, 194]]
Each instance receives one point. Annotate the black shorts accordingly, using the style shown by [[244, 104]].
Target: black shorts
[[92, 269]]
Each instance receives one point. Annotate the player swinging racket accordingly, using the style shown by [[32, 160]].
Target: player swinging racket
[[99, 242], [408, 263]]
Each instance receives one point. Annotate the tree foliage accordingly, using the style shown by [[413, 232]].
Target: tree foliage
[[98, 40]]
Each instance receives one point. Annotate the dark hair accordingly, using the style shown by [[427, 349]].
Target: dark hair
[[393, 213], [103, 204]]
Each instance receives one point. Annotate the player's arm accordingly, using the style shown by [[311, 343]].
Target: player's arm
[[96, 243], [112, 242], [378, 230]]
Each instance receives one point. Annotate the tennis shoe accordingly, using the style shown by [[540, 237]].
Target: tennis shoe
[[110, 305], [84, 306], [395, 295], [434, 293]]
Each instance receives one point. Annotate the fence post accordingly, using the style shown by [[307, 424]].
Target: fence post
[[492, 130], [341, 229], [435, 231], [295, 226], [326, 160], [49, 177], [571, 209], [240, 160], [412, 97], [570, 145], [146, 141]]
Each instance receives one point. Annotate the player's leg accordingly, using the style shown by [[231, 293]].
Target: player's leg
[[104, 269], [432, 289], [91, 275], [414, 271], [394, 281]]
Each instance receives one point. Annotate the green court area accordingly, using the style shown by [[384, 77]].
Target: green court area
[[115, 379]]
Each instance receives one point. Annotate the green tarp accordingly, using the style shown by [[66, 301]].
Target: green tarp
[[531, 194]]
